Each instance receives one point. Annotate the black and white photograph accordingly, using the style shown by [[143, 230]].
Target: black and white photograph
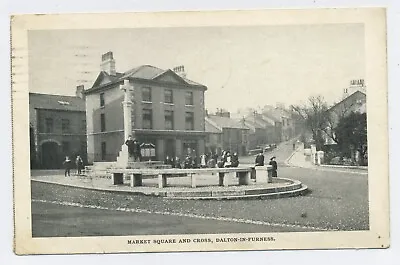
[[200, 135]]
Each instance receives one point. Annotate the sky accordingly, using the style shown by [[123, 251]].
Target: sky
[[241, 66]]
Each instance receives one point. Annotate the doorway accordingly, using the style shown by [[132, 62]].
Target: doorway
[[50, 155], [170, 148]]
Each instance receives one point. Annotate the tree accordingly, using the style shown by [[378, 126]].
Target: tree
[[316, 116], [351, 134]]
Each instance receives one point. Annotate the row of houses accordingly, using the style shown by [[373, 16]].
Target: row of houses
[[167, 113], [244, 132]]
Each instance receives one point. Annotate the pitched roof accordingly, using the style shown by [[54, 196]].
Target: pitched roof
[[56, 102], [210, 128], [272, 115], [144, 72], [250, 122], [347, 99], [225, 122]]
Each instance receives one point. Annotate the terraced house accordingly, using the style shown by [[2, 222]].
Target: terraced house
[[167, 112]]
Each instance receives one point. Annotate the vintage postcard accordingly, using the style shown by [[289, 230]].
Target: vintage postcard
[[200, 131]]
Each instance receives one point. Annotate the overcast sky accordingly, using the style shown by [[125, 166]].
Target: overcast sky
[[241, 66]]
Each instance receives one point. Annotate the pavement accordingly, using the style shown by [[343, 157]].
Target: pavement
[[338, 200], [298, 159]]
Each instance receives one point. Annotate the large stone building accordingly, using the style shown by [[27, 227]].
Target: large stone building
[[166, 112], [57, 128]]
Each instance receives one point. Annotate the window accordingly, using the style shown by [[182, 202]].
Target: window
[[146, 94], [65, 147], [147, 116], [169, 120], [103, 122], [168, 96], [102, 100], [65, 126], [103, 150], [189, 98], [49, 125], [83, 124], [189, 121]]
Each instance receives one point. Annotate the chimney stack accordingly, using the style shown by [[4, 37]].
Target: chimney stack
[[108, 63], [79, 91], [180, 70]]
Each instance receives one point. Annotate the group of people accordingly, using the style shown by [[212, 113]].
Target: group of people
[[209, 160], [68, 165], [272, 162], [134, 149]]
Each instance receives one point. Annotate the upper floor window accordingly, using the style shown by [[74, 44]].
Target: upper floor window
[[103, 122], [146, 94], [168, 96], [147, 116], [169, 120], [65, 126], [189, 98], [49, 125], [189, 121], [102, 102]]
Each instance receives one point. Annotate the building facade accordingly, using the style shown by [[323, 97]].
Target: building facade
[[234, 136], [214, 136], [355, 102], [57, 129], [167, 112]]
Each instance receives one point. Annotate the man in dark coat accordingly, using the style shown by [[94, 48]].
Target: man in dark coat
[[67, 165], [274, 165], [235, 160], [260, 159], [134, 148]]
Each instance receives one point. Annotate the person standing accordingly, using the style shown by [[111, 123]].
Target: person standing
[[134, 149], [260, 159], [67, 165], [79, 164], [203, 161], [129, 142], [228, 159], [274, 165], [137, 151], [235, 160]]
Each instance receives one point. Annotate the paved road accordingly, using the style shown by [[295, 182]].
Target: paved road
[[52, 219], [338, 200]]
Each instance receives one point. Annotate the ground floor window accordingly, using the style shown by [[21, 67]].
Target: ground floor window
[[103, 151]]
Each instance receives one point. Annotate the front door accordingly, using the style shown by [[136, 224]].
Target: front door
[[50, 155], [170, 148]]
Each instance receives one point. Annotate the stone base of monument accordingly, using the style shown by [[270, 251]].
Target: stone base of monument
[[281, 188], [263, 175]]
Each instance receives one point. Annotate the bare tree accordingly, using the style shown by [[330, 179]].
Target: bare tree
[[316, 116], [334, 115]]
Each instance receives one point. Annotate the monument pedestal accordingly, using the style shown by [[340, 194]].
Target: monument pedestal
[[263, 174], [123, 159]]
